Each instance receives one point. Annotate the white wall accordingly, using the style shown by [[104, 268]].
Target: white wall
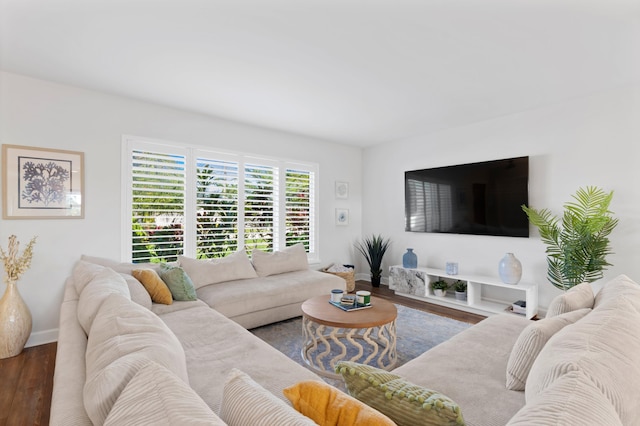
[[43, 114], [587, 141]]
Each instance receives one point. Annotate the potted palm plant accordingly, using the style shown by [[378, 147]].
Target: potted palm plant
[[578, 243], [373, 249]]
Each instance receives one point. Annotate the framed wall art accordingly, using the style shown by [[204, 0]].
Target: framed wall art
[[42, 183], [342, 190], [342, 217]]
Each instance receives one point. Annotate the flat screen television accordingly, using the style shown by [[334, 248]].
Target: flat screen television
[[478, 198]]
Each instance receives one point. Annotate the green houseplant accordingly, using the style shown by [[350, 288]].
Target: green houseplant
[[578, 243], [440, 287], [373, 249], [461, 289]]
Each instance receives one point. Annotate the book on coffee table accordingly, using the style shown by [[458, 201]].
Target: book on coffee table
[[353, 307]]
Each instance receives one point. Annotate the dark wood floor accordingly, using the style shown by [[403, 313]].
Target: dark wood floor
[[26, 380]]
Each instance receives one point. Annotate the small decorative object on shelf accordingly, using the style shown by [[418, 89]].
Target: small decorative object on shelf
[[15, 318], [510, 269], [410, 259], [519, 307], [452, 268]]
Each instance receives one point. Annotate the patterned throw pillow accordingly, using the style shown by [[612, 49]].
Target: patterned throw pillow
[[178, 281], [403, 402]]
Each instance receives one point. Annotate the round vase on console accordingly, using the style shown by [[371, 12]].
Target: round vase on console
[[410, 259], [510, 269], [15, 322]]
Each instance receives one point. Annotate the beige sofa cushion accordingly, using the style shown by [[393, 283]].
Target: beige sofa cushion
[[155, 396], [602, 345], [203, 272], [619, 286], [121, 267], [245, 402], [577, 297], [293, 258], [138, 293], [530, 343], [573, 399], [103, 284], [83, 273], [125, 337]]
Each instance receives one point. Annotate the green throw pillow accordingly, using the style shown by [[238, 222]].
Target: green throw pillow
[[401, 401], [178, 281]]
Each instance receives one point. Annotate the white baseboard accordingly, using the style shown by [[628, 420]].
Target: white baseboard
[[42, 337]]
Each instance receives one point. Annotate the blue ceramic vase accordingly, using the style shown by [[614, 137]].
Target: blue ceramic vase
[[409, 259]]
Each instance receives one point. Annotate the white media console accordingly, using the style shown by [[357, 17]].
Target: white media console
[[485, 295]]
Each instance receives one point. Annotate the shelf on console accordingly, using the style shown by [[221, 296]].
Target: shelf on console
[[415, 283]]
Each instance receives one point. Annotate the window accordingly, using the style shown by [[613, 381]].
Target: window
[[205, 204]]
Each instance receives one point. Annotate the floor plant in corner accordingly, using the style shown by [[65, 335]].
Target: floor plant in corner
[[578, 243], [373, 249]]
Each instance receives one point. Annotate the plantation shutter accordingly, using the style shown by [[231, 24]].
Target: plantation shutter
[[298, 208], [193, 201], [216, 207], [260, 207], [158, 197]]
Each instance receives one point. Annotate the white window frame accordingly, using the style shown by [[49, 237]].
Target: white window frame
[[191, 153]]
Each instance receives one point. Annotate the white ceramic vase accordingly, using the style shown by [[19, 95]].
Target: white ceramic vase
[[510, 269], [15, 322]]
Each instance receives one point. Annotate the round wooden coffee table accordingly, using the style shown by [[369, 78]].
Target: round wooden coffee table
[[367, 336]]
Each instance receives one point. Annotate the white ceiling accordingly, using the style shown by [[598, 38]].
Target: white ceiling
[[356, 72]]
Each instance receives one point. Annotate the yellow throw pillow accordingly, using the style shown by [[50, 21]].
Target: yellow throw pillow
[[328, 406], [403, 402], [154, 285]]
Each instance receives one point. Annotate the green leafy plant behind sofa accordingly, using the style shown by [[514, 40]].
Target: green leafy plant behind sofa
[[577, 244]]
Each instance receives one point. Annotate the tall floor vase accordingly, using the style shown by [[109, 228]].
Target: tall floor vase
[[15, 322]]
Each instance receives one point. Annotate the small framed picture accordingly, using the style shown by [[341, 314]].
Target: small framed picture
[[342, 190], [342, 217], [42, 183]]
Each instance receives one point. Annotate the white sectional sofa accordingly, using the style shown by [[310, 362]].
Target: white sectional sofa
[[579, 366]]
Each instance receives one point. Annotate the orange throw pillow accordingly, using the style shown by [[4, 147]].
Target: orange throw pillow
[[154, 285], [329, 406]]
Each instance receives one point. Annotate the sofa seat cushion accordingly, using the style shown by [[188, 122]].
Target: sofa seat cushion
[[573, 399], [603, 346], [245, 402], [156, 396], [124, 337], [214, 344], [530, 343], [470, 369], [237, 298], [577, 297]]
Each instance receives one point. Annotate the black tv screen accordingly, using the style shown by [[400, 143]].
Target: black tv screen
[[479, 198]]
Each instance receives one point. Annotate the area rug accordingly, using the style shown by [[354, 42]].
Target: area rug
[[417, 332]]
